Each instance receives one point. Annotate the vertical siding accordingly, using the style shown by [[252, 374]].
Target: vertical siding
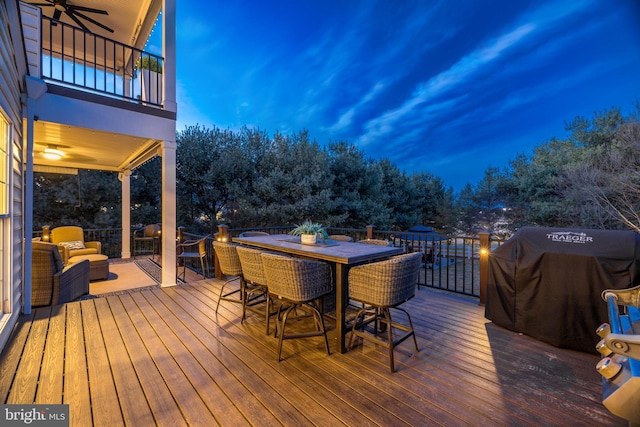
[[13, 67]]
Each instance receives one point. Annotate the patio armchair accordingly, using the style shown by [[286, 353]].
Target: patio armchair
[[192, 249], [70, 241], [381, 286], [144, 236], [51, 282]]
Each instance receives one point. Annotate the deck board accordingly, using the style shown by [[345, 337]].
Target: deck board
[[76, 380], [204, 403], [51, 381], [164, 357], [132, 401], [243, 387], [158, 397], [104, 397], [27, 374], [12, 354]]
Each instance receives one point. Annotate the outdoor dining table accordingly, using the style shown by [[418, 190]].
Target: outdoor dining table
[[343, 255]]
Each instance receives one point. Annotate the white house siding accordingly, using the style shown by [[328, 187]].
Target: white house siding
[[31, 16], [12, 70]]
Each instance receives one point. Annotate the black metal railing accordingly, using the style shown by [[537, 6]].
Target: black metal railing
[[75, 57], [450, 263]]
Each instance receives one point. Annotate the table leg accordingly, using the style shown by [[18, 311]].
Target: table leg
[[341, 304]]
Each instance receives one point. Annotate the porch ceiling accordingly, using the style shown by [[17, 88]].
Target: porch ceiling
[[131, 20], [90, 148]]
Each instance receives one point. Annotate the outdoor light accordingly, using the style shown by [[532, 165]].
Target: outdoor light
[[52, 153]]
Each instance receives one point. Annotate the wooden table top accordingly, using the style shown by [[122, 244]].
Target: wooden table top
[[347, 253]]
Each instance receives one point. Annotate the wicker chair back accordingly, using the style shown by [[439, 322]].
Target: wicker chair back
[[378, 242], [340, 237], [228, 258], [251, 263], [385, 283], [296, 279], [253, 233]]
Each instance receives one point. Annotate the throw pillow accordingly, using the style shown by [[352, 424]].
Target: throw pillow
[[76, 244]]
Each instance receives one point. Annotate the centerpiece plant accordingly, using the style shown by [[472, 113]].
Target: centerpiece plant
[[309, 232]]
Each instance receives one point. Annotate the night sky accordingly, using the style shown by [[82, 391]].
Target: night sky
[[447, 87]]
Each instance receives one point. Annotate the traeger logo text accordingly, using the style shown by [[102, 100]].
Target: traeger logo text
[[569, 237]]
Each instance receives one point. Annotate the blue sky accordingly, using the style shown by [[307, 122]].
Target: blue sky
[[446, 87]]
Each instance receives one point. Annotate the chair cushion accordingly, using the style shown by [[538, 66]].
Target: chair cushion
[[66, 234], [84, 251], [75, 244]]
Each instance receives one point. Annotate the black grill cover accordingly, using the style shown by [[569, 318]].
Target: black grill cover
[[546, 282]]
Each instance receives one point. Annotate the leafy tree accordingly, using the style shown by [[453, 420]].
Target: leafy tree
[[146, 193], [604, 187]]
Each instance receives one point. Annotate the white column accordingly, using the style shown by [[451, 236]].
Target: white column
[[125, 179], [169, 54], [169, 213]]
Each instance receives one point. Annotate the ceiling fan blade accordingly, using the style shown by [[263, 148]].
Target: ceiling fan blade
[[42, 4], [77, 21], [87, 9], [93, 21]]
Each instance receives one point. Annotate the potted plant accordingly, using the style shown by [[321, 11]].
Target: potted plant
[[309, 231], [151, 81]]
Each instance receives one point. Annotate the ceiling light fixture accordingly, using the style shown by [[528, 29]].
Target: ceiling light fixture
[[52, 153]]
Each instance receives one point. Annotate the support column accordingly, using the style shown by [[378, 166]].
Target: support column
[[169, 53], [169, 213], [125, 179]]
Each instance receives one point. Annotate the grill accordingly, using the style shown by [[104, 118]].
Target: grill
[[620, 349]]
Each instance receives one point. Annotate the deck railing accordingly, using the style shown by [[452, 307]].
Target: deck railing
[[77, 58], [450, 263]]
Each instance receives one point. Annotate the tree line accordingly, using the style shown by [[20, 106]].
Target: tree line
[[246, 178]]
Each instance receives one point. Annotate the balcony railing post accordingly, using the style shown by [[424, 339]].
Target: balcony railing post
[[485, 247], [222, 236], [370, 229]]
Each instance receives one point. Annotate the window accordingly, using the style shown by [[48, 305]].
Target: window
[[5, 140], [5, 230]]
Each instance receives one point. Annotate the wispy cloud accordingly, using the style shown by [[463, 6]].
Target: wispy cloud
[[438, 85], [468, 67]]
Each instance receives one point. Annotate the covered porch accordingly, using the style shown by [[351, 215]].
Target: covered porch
[[163, 357]]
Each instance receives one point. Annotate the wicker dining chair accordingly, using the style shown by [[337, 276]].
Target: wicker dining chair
[[253, 233], [192, 249], [231, 267], [256, 281], [378, 242], [381, 286], [297, 283], [340, 237]]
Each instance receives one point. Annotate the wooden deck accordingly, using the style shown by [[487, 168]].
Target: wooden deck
[[163, 357]]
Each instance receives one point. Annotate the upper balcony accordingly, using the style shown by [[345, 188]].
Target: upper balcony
[[97, 49], [102, 78], [74, 57]]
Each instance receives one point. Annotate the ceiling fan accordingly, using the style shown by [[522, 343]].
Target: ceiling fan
[[75, 13]]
